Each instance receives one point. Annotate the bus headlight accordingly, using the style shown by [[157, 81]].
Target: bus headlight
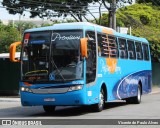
[[75, 88], [24, 89]]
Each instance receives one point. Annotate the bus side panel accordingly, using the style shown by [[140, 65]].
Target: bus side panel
[[123, 83], [127, 87], [107, 77], [133, 73]]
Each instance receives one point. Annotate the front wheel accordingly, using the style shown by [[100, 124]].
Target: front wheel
[[49, 108], [99, 107]]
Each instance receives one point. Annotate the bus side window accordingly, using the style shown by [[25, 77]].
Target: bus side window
[[100, 44], [131, 50], [145, 52], [107, 46], [139, 50], [103, 46], [122, 49], [113, 52]]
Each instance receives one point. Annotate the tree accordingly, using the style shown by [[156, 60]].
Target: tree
[[154, 2], [78, 9], [22, 26], [144, 20], [8, 35], [49, 8]]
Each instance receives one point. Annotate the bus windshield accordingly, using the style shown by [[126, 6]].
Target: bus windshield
[[51, 56]]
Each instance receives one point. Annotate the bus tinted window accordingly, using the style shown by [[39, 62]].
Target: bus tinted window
[[107, 46], [145, 51], [131, 50], [139, 51], [122, 48], [112, 46]]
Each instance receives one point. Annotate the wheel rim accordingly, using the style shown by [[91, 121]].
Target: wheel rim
[[139, 94], [101, 103]]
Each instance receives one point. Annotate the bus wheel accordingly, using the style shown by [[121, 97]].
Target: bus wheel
[[49, 108], [136, 99], [99, 107]]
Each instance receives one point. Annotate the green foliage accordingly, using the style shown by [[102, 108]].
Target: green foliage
[[104, 19], [22, 26], [145, 22], [8, 35], [154, 2]]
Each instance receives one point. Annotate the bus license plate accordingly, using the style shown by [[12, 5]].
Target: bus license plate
[[49, 99]]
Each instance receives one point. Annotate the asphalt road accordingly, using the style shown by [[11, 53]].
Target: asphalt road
[[148, 109]]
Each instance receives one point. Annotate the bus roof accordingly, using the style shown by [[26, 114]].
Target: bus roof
[[82, 25], [65, 26]]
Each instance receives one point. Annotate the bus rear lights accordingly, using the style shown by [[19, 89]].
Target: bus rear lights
[[24, 89], [75, 88]]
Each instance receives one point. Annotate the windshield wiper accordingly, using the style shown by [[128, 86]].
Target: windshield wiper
[[53, 64]]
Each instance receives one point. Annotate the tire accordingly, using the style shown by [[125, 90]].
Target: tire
[[100, 106], [49, 108], [136, 99]]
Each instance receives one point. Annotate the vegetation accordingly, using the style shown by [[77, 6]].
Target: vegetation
[[154, 2], [144, 19], [145, 22], [12, 33], [8, 35], [78, 9], [22, 26]]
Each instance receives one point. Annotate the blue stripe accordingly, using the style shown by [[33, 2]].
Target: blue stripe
[[127, 87]]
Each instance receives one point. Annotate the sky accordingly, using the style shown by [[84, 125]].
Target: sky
[[4, 15]]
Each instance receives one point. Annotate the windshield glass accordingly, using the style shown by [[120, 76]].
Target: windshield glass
[[52, 56]]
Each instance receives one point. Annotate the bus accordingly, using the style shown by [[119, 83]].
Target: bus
[[76, 64]]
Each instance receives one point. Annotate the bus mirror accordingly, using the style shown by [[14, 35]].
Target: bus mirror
[[12, 50], [84, 47]]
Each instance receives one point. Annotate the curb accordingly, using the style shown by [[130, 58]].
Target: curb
[[9, 99], [154, 92]]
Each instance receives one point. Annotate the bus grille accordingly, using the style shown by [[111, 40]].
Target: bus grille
[[50, 90]]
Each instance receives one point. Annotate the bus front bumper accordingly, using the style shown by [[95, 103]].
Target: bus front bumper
[[68, 98]]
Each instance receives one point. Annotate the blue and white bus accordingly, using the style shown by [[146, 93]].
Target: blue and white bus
[[81, 64]]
